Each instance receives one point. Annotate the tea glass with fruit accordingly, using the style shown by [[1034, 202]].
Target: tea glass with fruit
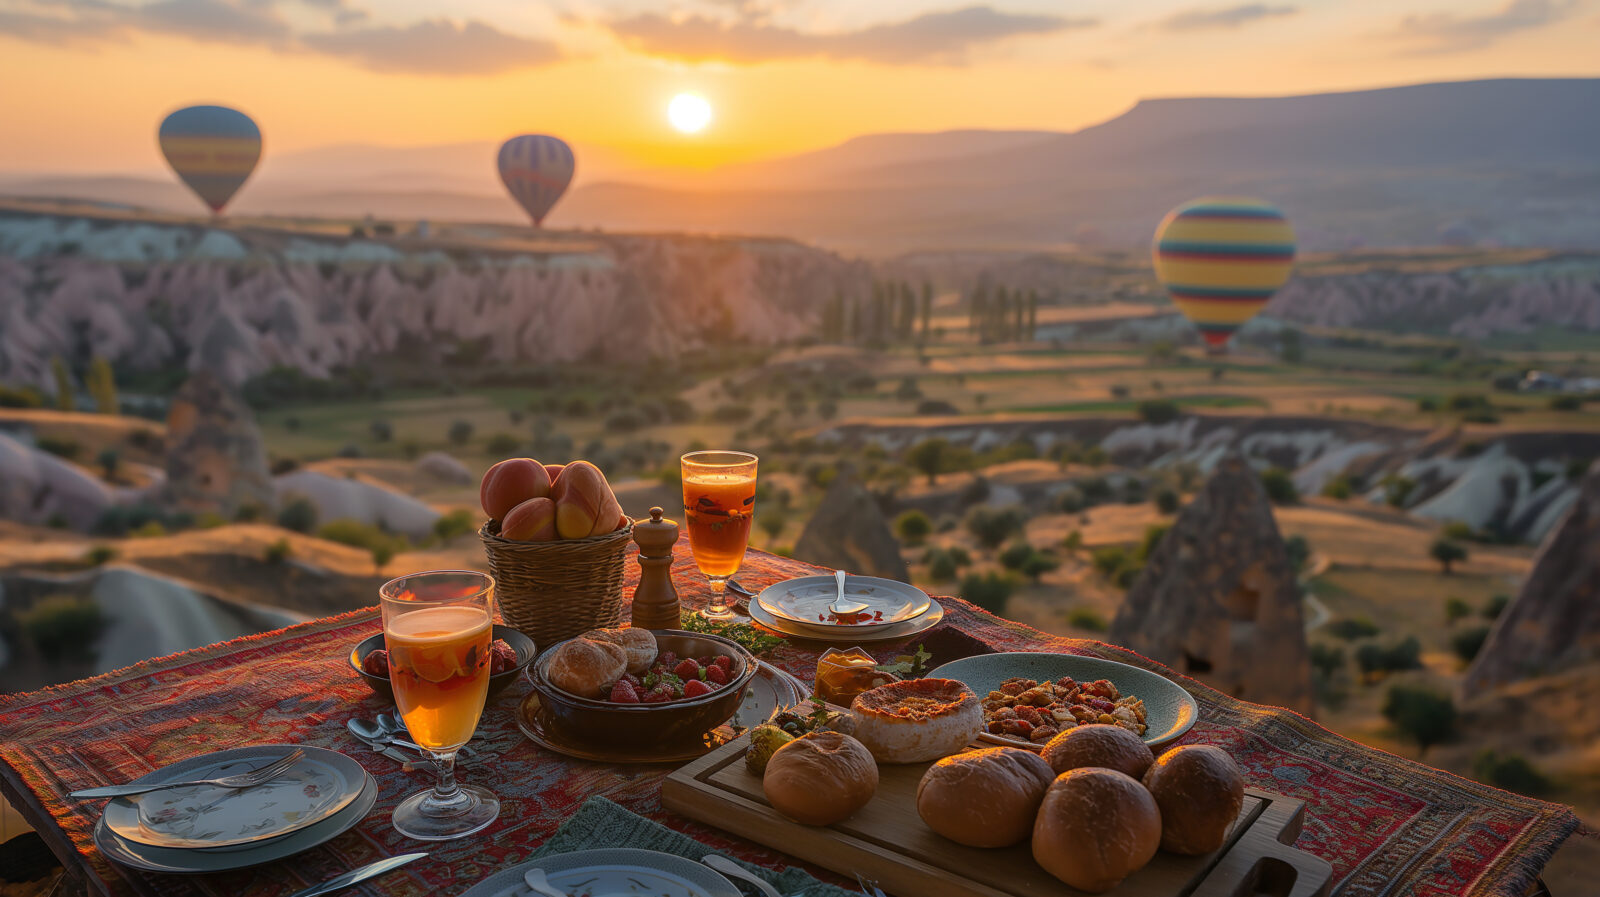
[[437, 629], [719, 504]]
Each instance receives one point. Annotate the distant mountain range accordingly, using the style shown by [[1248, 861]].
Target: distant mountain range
[[1501, 162]]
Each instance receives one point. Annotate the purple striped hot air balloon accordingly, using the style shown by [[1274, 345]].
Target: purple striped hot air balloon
[[213, 149], [536, 169]]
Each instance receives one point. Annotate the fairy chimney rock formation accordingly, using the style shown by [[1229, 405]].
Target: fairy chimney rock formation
[[1218, 598], [848, 532], [215, 460], [1554, 623]]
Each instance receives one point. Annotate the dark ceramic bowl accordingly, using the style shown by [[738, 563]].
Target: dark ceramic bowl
[[644, 725], [497, 683]]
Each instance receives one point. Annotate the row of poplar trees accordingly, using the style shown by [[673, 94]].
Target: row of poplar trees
[[99, 381], [895, 313], [1002, 316]]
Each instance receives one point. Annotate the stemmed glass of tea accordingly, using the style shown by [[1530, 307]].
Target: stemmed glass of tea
[[719, 504], [438, 627]]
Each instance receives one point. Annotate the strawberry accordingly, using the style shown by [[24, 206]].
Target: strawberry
[[717, 674], [687, 669], [632, 680], [623, 693], [658, 695], [694, 688], [376, 663], [724, 662], [667, 659]]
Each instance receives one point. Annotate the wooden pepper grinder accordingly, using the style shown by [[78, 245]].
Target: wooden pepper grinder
[[655, 601]]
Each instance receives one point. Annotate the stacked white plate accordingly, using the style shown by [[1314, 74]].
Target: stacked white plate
[[799, 607], [209, 829]]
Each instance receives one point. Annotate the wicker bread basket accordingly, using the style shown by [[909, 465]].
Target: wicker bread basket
[[552, 591]]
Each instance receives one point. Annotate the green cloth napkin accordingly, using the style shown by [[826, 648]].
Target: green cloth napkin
[[600, 823]]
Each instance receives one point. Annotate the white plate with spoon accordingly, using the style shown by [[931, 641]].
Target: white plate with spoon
[[841, 602]]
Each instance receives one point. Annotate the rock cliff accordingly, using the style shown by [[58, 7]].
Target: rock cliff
[[1218, 599], [849, 532]]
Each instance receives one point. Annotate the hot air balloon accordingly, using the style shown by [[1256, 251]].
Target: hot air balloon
[[536, 169], [1221, 258], [213, 149]]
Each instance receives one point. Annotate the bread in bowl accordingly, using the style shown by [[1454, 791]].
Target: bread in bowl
[[586, 668], [820, 778], [1200, 792], [917, 720], [638, 644], [1095, 827], [1112, 747], [984, 798]]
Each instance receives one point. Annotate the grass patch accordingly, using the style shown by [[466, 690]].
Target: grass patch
[[1109, 406]]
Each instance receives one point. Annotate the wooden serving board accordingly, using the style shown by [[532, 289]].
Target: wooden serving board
[[887, 842]]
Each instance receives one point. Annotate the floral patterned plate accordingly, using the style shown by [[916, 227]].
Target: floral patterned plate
[[320, 785], [617, 872]]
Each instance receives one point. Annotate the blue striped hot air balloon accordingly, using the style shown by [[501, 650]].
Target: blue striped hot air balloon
[[536, 169], [1221, 258], [213, 149]]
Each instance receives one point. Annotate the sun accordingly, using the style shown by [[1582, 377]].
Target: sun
[[689, 113]]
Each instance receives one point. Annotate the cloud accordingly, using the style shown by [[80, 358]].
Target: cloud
[[436, 46], [1230, 17], [941, 38], [1453, 33], [432, 46]]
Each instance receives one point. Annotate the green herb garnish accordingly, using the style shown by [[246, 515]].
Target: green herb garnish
[[748, 637], [908, 666]]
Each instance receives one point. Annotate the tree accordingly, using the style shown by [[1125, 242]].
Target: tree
[[1038, 564], [1015, 555], [278, 552], [992, 526], [990, 592], [1494, 607], [1158, 411], [1425, 716], [912, 527], [461, 432], [382, 554], [1468, 642], [381, 430], [103, 386], [1326, 659], [1280, 486], [1456, 609], [927, 310], [110, 459], [1509, 771], [1299, 551], [928, 457], [1290, 348], [64, 392], [1447, 553], [299, 514]]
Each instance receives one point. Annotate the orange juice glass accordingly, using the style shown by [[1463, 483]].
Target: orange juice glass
[[719, 504], [437, 628]]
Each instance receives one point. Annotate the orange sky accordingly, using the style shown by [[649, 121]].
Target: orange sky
[[803, 74]]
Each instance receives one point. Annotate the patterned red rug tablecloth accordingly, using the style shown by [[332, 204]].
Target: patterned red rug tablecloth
[[1389, 826]]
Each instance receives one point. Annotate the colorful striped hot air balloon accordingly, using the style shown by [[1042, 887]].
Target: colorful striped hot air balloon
[[1221, 258], [213, 149], [536, 169]]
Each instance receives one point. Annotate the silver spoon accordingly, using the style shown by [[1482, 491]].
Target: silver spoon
[[734, 870], [841, 607], [534, 878], [396, 730]]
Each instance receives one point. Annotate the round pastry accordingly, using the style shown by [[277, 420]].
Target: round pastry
[[820, 778], [586, 668], [917, 720], [1095, 827], [1112, 747], [1200, 792], [986, 798], [638, 644]]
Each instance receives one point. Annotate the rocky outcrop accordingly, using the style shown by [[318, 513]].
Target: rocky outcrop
[[216, 461], [1218, 598], [444, 467], [353, 498], [37, 487], [1554, 623], [848, 532], [147, 295]]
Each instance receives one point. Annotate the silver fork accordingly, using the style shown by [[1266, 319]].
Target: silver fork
[[254, 777]]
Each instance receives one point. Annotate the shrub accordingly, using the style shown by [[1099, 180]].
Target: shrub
[[1509, 771], [1425, 716], [348, 531], [1108, 560], [1166, 499], [503, 445], [1037, 564], [110, 461], [1087, 618], [381, 430], [298, 514], [907, 391], [1015, 555], [1073, 540], [1158, 411], [20, 397], [929, 457], [61, 448], [1447, 552], [63, 627], [960, 555], [1458, 530], [992, 526], [1070, 500], [1095, 456], [382, 554], [1094, 489], [350, 450], [1468, 642], [732, 413], [1351, 629], [1456, 609], [1566, 403], [1397, 489], [989, 591], [1133, 491], [1326, 659], [932, 408], [1299, 552], [456, 523], [975, 492], [99, 555], [461, 432], [1280, 486], [278, 552], [1494, 607], [772, 523], [941, 568], [1338, 488], [1375, 659], [913, 527], [148, 530]]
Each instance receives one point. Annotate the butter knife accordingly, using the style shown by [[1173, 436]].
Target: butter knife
[[359, 875]]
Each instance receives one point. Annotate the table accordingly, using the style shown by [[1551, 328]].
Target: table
[[1386, 824]]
